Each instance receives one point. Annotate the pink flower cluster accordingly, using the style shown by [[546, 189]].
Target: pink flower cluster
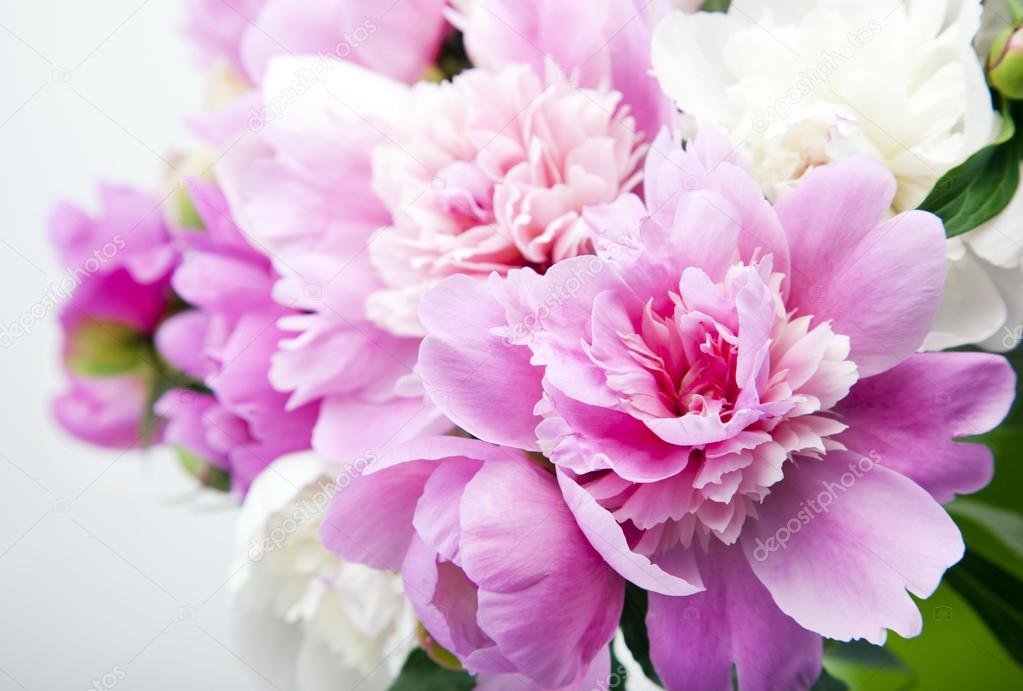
[[583, 354]]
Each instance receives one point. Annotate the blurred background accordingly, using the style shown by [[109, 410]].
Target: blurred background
[[112, 566]]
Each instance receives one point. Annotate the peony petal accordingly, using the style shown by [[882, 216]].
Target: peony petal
[[484, 384], [734, 621], [536, 571], [606, 536], [843, 259], [907, 416], [843, 570]]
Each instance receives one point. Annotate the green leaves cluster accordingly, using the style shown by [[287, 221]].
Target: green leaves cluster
[[978, 190]]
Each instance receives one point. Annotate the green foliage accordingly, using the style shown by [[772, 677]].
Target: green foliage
[[207, 474], [716, 5], [420, 673], [979, 189], [105, 349], [634, 629]]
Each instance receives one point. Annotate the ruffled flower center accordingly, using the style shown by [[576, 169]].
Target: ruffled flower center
[[722, 373]]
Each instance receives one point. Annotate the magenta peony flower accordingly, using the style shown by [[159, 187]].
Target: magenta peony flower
[[493, 562], [492, 172], [730, 394], [227, 342], [400, 39], [116, 290]]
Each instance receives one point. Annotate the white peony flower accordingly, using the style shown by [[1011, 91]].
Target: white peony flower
[[798, 84], [325, 622]]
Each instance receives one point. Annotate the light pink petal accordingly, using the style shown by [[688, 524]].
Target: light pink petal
[[482, 383], [536, 571], [370, 518], [909, 415], [733, 622], [606, 536], [348, 428], [842, 569], [844, 257]]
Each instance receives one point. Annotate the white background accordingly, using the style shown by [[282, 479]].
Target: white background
[[109, 563]]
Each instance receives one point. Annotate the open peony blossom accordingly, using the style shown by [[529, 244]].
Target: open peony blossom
[[400, 39], [117, 291], [301, 189], [495, 566], [320, 623], [227, 341], [796, 88], [730, 395], [492, 172]]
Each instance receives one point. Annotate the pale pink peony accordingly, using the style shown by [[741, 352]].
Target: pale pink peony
[[492, 172], [730, 394], [301, 189], [400, 38]]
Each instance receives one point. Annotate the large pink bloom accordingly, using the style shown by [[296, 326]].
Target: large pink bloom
[[400, 39], [117, 286], [227, 341], [730, 394], [301, 189], [493, 562], [492, 172]]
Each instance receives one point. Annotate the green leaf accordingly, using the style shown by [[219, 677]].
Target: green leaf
[[716, 5], [829, 683], [188, 217], [1006, 443], [955, 651], [979, 189], [995, 594], [206, 473], [420, 673], [634, 630], [991, 532]]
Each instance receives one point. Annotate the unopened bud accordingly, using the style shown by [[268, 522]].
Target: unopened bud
[[1005, 63]]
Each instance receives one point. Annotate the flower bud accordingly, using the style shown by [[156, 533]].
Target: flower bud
[[1005, 63]]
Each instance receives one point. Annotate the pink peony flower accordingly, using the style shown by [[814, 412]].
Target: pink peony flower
[[227, 342], [492, 172], [489, 555], [730, 394], [116, 290], [608, 45], [302, 189], [400, 39]]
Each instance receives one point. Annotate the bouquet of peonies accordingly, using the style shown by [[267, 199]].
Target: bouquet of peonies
[[575, 344]]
